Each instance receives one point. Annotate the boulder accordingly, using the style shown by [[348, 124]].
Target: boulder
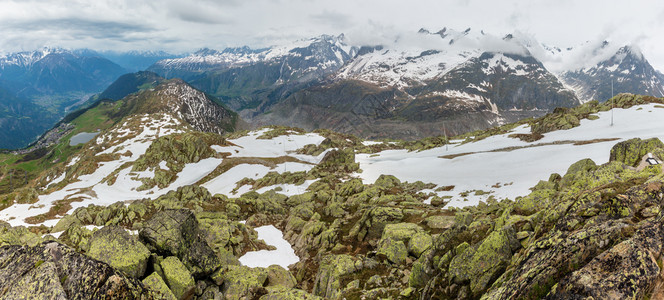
[[116, 247], [631, 151], [278, 276], [241, 282], [400, 231], [395, 251], [626, 271], [158, 286], [419, 243], [373, 221], [176, 232], [440, 222], [332, 267], [178, 278], [289, 294], [55, 271], [483, 263]]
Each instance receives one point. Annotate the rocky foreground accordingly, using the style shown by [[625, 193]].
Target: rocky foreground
[[595, 231]]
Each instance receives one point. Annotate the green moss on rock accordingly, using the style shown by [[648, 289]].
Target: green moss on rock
[[114, 246], [157, 285], [178, 278]]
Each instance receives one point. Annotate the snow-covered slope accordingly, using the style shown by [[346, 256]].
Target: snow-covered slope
[[499, 166], [321, 52], [129, 141], [506, 167], [415, 59]]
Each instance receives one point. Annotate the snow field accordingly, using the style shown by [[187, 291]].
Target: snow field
[[509, 174]]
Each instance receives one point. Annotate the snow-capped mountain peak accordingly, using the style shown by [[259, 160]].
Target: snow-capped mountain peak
[[28, 58], [626, 70]]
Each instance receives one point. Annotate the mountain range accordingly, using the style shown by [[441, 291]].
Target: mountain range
[[40, 87], [423, 84], [450, 82]]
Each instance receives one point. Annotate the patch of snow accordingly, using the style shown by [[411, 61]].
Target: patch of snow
[[283, 256], [58, 179], [226, 182], [250, 146], [288, 189], [73, 161]]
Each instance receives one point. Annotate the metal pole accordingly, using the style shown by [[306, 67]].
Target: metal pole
[[612, 102], [445, 133]]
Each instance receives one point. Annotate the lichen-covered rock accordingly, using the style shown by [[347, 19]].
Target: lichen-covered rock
[[176, 232], [626, 271], [395, 251], [440, 222], [114, 246], [373, 221], [77, 237], [278, 276], [158, 286], [400, 231], [55, 271], [223, 235], [482, 264], [178, 278], [241, 282], [288, 294], [419, 243], [385, 182], [631, 151], [18, 235], [332, 267], [418, 276]]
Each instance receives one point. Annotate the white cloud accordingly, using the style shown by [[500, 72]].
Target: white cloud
[[180, 26]]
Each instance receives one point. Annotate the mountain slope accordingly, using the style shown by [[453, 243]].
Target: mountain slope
[[629, 71], [130, 83], [21, 120], [488, 90], [55, 71], [51, 82], [246, 78]]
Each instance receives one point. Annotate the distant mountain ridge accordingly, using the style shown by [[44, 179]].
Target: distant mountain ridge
[[447, 77], [40, 86], [627, 69]]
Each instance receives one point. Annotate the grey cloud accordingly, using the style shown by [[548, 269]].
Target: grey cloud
[[80, 27], [334, 19]]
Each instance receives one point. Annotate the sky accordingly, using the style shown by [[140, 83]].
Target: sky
[[185, 26]]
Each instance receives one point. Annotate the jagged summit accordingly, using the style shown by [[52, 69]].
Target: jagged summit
[[178, 98], [627, 69]]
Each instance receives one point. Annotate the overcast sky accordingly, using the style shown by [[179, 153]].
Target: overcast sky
[[185, 26]]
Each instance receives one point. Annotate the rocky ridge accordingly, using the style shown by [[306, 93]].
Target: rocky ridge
[[594, 231]]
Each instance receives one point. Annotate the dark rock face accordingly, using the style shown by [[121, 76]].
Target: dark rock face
[[176, 232], [628, 270], [55, 271]]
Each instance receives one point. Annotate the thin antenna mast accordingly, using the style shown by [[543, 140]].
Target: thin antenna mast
[[612, 102], [445, 133]]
